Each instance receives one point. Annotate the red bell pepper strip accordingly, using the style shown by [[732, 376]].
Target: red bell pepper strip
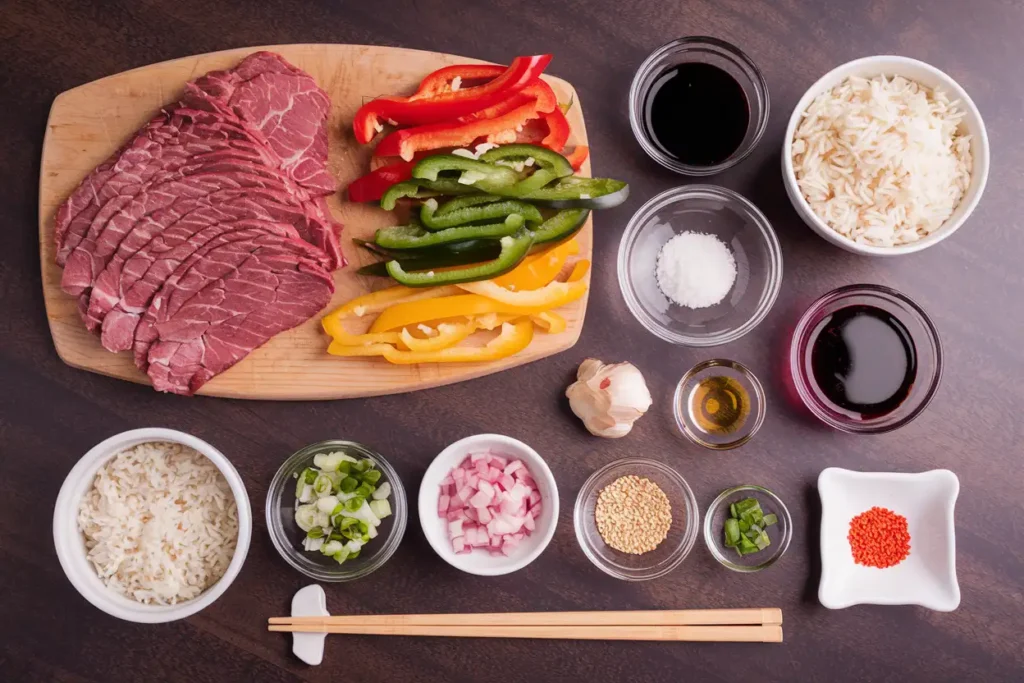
[[578, 156], [447, 105], [499, 130], [441, 80], [538, 90], [558, 130], [372, 186]]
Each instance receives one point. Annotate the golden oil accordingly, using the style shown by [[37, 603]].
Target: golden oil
[[719, 405]]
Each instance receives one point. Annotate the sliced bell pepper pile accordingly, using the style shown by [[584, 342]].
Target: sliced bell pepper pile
[[497, 207], [375, 302], [445, 106], [415, 237], [550, 322]]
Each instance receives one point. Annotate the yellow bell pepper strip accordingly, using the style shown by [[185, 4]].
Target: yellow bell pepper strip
[[409, 313], [347, 350], [375, 302], [449, 334], [550, 322], [537, 270], [542, 299], [512, 339], [579, 271]]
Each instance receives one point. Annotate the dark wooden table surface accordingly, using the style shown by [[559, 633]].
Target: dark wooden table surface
[[971, 285]]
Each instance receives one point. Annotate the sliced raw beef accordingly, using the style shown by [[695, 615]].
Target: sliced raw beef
[[283, 103], [231, 302], [208, 232], [145, 272]]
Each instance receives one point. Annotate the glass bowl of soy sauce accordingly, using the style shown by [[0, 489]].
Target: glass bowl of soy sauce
[[698, 105], [865, 359]]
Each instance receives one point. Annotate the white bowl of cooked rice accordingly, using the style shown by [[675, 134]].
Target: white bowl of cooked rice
[[152, 525], [885, 156]]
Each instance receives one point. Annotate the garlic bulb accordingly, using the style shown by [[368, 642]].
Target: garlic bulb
[[608, 398]]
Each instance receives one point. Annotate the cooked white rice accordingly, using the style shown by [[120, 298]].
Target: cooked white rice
[[160, 523], [882, 161]]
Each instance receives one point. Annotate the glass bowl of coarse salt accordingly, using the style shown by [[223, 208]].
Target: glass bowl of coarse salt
[[699, 265]]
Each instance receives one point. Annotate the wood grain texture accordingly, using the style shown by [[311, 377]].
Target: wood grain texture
[[88, 123], [971, 285]]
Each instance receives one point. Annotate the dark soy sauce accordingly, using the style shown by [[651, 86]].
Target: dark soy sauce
[[863, 360], [697, 114]]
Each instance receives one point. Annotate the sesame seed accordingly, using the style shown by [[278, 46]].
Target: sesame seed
[[633, 515]]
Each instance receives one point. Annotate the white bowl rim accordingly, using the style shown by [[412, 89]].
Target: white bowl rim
[[981, 170], [427, 504], [69, 546], [832, 602]]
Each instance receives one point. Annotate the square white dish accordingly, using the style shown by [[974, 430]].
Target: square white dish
[[927, 577]]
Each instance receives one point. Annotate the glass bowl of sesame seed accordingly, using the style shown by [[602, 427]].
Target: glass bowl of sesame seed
[[636, 519]]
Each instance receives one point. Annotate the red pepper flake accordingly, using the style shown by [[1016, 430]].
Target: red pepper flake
[[879, 538], [605, 383]]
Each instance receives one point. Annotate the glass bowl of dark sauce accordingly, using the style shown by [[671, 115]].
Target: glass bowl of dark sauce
[[865, 359], [698, 105]]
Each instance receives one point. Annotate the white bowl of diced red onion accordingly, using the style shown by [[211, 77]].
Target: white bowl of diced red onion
[[488, 505]]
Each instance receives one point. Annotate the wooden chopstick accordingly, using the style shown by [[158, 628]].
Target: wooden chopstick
[[771, 633], [686, 617]]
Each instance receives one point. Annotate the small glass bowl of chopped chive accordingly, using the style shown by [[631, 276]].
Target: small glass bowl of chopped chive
[[699, 266], [747, 528], [636, 519], [336, 511]]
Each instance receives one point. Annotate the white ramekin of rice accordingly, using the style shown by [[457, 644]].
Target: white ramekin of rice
[[926, 75], [70, 542]]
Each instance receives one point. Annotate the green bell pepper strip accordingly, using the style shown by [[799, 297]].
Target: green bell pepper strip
[[444, 256], [472, 173], [466, 201], [414, 237], [476, 214], [421, 189], [544, 158], [513, 250], [580, 193], [560, 226]]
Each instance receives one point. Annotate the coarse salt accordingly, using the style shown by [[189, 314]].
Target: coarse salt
[[695, 270]]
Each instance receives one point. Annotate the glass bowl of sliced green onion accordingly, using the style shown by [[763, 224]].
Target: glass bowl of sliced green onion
[[336, 511], [747, 528]]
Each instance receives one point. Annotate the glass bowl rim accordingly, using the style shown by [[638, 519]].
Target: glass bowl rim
[[758, 390], [677, 195], [803, 329], [710, 535], [390, 544], [636, 95], [690, 531]]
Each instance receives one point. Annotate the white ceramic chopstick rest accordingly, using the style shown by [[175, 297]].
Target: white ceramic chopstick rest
[[310, 601]]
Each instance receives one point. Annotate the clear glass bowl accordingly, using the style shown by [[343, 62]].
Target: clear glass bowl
[[664, 558], [703, 50], [780, 533], [691, 429], [287, 536], [923, 334], [729, 217]]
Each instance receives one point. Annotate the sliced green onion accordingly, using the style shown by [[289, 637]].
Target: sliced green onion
[[381, 508], [382, 492], [315, 532], [348, 484], [365, 490], [732, 532], [305, 517], [371, 476], [354, 504], [322, 486], [771, 519]]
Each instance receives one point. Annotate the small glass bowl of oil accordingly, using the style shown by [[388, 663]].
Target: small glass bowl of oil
[[719, 404]]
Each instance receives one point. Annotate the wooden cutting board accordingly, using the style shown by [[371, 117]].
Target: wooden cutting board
[[88, 123]]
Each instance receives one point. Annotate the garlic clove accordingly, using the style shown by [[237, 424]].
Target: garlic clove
[[608, 398]]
